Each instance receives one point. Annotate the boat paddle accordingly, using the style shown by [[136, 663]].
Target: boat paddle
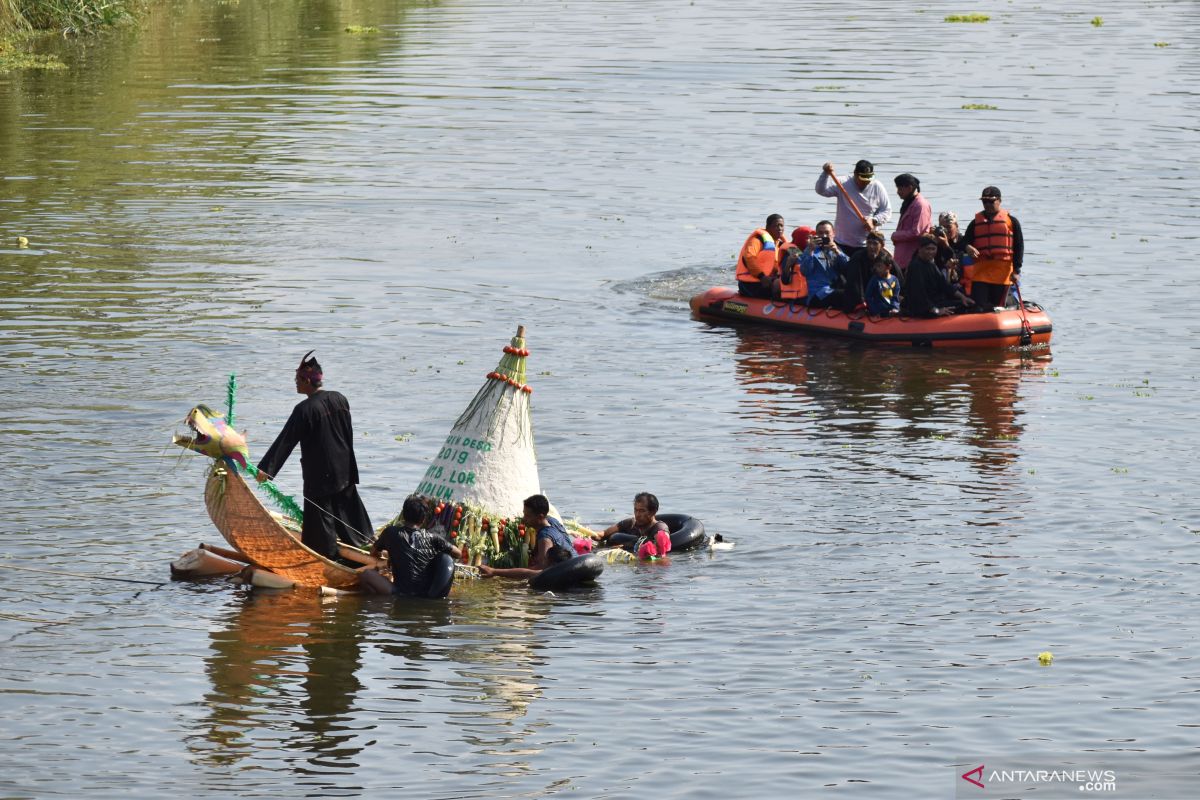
[[850, 200], [1026, 328]]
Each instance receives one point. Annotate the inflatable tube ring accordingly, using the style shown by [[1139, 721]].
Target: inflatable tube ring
[[687, 533], [568, 574], [441, 575]]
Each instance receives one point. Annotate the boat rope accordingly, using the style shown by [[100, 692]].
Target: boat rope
[[286, 502], [82, 575]]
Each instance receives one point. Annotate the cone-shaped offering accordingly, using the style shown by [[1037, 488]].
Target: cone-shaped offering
[[488, 459], [487, 466]]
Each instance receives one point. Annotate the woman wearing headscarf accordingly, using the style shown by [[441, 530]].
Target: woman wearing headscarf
[[915, 219], [950, 246]]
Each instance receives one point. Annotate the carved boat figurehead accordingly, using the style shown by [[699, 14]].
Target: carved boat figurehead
[[214, 437]]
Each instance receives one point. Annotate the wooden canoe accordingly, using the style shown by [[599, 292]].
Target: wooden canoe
[[253, 531]]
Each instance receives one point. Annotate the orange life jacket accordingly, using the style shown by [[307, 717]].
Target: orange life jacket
[[994, 241], [765, 262], [797, 287]]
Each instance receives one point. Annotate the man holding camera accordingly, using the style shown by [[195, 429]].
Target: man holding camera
[[863, 195], [822, 263]]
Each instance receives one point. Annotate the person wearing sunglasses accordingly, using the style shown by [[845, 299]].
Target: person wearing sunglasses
[[995, 241]]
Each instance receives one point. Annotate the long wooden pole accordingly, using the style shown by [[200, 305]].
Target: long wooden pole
[[850, 200]]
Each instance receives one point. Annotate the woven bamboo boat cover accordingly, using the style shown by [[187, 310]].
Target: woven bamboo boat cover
[[249, 527]]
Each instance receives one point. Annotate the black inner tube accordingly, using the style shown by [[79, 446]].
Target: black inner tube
[[441, 575], [687, 533], [567, 574]]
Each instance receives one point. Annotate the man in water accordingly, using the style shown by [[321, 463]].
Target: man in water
[[320, 424], [653, 535], [550, 532], [410, 551], [864, 193]]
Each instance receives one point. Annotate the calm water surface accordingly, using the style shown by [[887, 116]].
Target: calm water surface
[[237, 182]]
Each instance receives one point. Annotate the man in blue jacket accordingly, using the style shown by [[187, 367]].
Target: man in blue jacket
[[822, 263]]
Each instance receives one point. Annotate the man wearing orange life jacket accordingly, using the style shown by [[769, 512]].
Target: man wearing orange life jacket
[[758, 261], [995, 241]]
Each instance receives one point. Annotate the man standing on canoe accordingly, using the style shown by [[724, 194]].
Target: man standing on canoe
[[995, 241], [863, 204], [320, 424]]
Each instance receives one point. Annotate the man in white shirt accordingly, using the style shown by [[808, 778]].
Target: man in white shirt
[[868, 196]]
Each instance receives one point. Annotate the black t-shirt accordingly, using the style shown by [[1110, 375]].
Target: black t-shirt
[[410, 551], [321, 426]]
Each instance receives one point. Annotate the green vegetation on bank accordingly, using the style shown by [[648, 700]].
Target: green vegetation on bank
[[22, 20]]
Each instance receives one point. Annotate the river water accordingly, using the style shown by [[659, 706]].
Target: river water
[[235, 183]]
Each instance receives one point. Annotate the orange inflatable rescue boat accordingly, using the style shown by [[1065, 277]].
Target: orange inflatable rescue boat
[[1027, 325]]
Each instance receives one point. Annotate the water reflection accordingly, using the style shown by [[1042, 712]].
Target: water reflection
[[805, 388], [276, 654], [501, 659], [297, 685]]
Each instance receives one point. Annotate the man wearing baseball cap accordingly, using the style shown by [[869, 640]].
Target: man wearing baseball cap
[[995, 241], [863, 204]]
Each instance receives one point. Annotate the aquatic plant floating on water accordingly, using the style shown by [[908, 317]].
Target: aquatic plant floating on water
[[1097, 21], [1046, 658], [967, 18], [361, 30], [979, 107], [13, 61]]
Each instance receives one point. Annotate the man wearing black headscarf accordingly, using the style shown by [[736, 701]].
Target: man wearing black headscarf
[[320, 424]]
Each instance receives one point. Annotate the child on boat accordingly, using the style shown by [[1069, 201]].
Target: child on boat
[[883, 291]]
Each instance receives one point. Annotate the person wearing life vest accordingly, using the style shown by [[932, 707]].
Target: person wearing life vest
[[758, 261], [793, 286], [994, 240]]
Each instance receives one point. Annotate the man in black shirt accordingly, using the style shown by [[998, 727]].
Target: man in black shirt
[[410, 550], [320, 424]]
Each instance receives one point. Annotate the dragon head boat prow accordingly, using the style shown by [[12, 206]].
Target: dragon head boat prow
[[214, 437]]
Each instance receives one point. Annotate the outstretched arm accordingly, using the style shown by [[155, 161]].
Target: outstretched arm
[[513, 573]]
